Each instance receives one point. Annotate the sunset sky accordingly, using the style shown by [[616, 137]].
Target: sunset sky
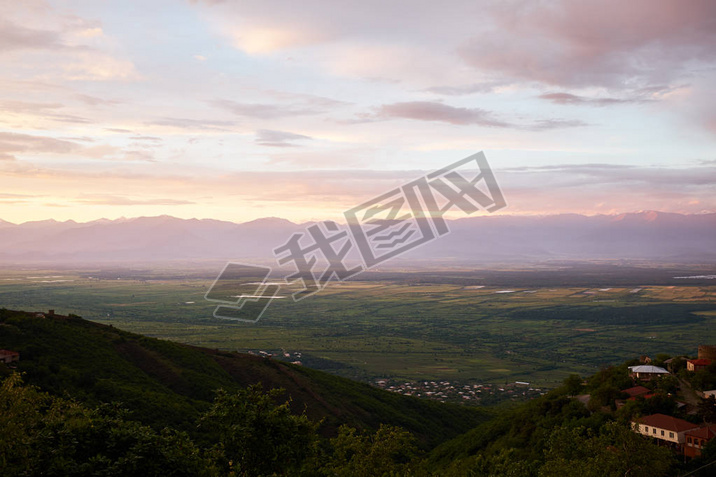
[[236, 110]]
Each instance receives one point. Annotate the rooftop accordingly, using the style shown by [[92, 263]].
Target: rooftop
[[662, 421], [707, 433], [645, 396], [637, 391], [700, 362], [648, 369]]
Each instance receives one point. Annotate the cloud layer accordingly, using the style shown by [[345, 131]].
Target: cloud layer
[[302, 109]]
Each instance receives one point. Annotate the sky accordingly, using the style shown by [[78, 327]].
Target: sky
[[236, 110]]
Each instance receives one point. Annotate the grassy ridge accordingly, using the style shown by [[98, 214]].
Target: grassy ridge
[[166, 383]]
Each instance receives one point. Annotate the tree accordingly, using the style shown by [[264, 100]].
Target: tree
[[705, 379], [708, 453], [677, 364], [604, 395], [660, 358], [19, 415], [256, 436], [615, 451], [669, 384], [615, 376], [658, 403], [707, 409], [44, 435], [573, 384], [503, 463], [389, 451]]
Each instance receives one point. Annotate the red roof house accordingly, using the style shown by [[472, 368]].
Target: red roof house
[[644, 396], [697, 364], [697, 439], [637, 391], [666, 429]]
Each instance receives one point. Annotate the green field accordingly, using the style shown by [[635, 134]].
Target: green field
[[392, 327]]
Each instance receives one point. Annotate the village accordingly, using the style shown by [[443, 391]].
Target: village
[[666, 383], [451, 391], [689, 434]]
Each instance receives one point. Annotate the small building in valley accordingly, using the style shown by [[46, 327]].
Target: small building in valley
[[7, 356], [646, 371], [637, 391], [697, 364]]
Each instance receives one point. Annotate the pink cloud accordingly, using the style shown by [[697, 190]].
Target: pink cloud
[[432, 111], [568, 98], [271, 138], [301, 195], [18, 37], [611, 43], [14, 143]]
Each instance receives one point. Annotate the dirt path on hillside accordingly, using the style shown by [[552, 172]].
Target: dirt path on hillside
[[691, 398]]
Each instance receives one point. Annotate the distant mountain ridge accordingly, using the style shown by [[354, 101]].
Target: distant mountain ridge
[[648, 235]]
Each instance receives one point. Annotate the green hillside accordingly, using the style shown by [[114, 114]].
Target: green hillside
[[169, 384], [56, 420], [583, 429]]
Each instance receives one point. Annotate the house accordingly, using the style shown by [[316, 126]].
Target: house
[[697, 439], [647, 371], [697, 364], [669, 363], [7, 356], [637, 391], [667, 430], [634, 393], [643, 396]]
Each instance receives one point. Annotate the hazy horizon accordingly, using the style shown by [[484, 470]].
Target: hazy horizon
[[653, 236], [341, 220]]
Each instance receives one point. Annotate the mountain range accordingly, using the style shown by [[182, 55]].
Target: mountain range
[[649, 235]]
